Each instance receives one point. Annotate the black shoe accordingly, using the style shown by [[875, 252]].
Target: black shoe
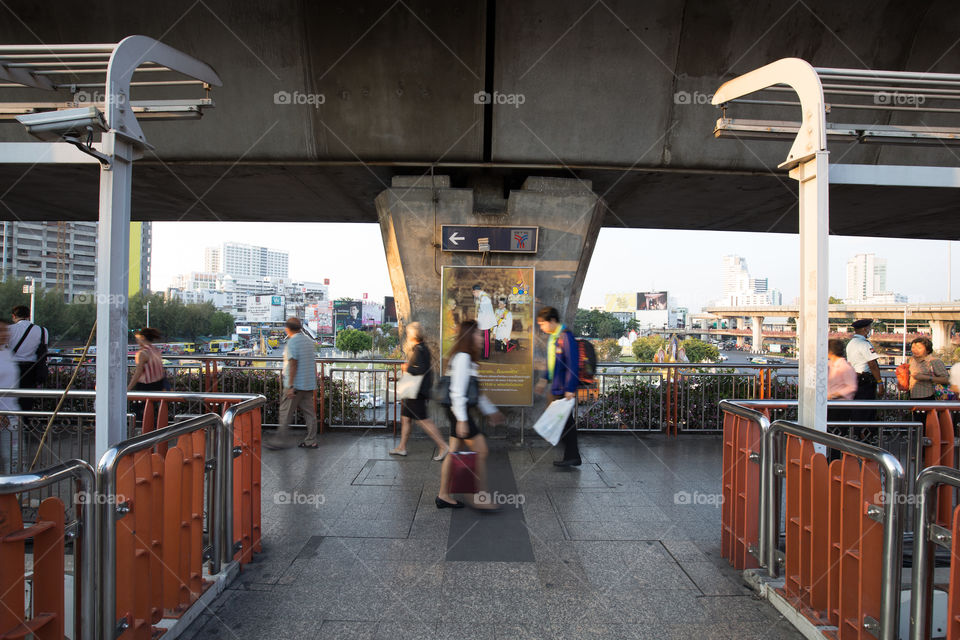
[[572, 462], [443, 504]]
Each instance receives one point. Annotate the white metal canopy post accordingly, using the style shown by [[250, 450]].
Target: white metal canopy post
[[857, 91], [808, 164], [68, 127]]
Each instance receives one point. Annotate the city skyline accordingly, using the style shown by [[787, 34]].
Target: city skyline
[[685, 263]]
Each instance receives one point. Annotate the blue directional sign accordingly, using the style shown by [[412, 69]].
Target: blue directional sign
[[461, 237]]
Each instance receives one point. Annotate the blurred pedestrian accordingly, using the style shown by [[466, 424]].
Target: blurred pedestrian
[[841, 383], [28, 346], [148, 375], [9, 425], [926, 370], [299, 385], [863, 358], [419, 363], [563, 376], [463, 430]]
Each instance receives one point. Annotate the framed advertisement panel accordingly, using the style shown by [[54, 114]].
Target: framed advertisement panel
[[501, 300]]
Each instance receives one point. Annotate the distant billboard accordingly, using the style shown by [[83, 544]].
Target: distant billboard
[[372, 314], [652, 301], [620, 302], [389, 310], [265, 309], [348, 314]]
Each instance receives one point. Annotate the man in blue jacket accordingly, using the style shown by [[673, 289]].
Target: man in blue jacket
[[563, 375]]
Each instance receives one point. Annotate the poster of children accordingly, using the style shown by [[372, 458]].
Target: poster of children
[[500, 300]]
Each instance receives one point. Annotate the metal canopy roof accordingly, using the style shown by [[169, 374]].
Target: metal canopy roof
[[100, 74]]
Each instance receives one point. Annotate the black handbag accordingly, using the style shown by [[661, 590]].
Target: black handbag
[[441, 395]]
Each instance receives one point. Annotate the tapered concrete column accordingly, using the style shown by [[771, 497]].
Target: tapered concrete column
[[940, 333], [411, 213], [757, 326], [741, 341]]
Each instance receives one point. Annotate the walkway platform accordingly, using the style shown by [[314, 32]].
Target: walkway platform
[[625, 546]]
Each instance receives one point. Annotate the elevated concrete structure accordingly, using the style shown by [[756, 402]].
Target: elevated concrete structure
[[941, 316], [411, 215], [319, 110]]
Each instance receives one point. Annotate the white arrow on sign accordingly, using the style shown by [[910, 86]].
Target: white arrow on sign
[[455, 239]]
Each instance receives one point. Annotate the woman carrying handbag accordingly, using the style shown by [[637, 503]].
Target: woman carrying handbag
[[463, 395], [414, 390]]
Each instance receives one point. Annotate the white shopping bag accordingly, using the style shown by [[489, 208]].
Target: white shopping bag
[[551, 423]]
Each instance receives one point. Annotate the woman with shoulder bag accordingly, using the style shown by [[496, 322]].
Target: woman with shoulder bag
[[464, 431], [419, 364], [926, 371]]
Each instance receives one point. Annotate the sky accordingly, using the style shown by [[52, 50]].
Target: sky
[[684, 263]]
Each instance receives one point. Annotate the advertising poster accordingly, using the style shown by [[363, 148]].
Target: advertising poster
[[372, 314], [389, 310], [325, 318], [347, 314], [501, 301], [652, 301]]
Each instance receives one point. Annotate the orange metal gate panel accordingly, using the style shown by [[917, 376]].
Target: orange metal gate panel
[[741, 491], [953, 595]]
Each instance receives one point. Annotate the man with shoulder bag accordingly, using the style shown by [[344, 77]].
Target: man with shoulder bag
[[28, 348]]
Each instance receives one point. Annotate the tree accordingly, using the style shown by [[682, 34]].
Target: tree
[[835, 300], [597, 324], [608, 350], [645, 348], [632, 325], [354, 341], [700, 351]]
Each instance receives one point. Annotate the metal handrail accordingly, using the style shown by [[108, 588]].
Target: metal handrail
[[733, 406], [82, 473], [952, 405], [927, 481], [135, 395], [893, 478], [225, 453], [106, 475]]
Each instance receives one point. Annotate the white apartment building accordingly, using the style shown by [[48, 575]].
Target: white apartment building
[[867, 280], [245, 260], [64, 254], [739, 289]]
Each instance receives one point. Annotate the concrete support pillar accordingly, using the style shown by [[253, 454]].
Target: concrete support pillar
[[741, 341], [411, 212], [757, 326], [940, 333]]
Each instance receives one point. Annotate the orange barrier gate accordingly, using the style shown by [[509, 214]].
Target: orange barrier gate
[[740, 513], [159, 533], [47, 621], [834, 543], [938, 431], [246, 485], [672, 400]]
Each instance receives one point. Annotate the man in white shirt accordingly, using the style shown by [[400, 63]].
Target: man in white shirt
[[27, 342], [863, 358]]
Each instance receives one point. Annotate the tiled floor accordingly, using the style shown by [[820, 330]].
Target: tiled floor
[[626, 546]]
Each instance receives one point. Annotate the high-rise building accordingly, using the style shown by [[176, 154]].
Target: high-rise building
[[739, 289], [244, 260], [867, 279], [64, 255]]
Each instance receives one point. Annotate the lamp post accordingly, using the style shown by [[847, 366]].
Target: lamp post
[[148, 312], [32, 290]]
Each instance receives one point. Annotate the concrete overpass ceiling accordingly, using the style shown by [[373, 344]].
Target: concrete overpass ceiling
[[606, 86]]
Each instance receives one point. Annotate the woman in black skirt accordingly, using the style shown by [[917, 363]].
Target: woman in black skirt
[[418, 364]]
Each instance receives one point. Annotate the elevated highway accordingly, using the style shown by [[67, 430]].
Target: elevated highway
[[940, 316], [323, 103]]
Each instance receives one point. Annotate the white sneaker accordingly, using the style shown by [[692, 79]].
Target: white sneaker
[[442, 455], [398, 452]]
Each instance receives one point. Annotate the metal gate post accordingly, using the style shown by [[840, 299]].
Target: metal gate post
[[812, 325], [116, 180]]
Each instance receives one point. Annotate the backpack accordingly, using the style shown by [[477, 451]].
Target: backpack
[[588, 363]]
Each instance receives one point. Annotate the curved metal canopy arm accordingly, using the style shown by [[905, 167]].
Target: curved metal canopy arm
[[803, 79], [129, 54]]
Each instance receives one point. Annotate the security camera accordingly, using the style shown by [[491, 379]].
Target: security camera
[[54, 126]]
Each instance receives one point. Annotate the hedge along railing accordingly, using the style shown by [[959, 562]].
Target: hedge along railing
[[49, 535]]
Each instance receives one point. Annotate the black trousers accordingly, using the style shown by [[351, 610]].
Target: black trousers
[[866, 390], [28, 380], [571, 450]]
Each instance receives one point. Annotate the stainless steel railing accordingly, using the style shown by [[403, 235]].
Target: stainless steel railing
[[926, 534], [893, 479], [107, 479], [84, 477]]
